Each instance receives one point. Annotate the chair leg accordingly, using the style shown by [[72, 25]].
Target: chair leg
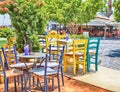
[[77, 67], [62, 75], [25, 80], [5, 85], [84, 69], [15, 84], [29, 82], [39, 83], [18, 80], [52, 83], [74, 67], [58, 83], [33, 81], [96, 63], [74, 70], [45, 85], [48, 80], [65, 64], [21, 82], [88, 64]]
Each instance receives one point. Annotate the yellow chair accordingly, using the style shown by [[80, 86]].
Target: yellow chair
[[3, 59], [11, 41], [76, 56], [51, 38], [63, 36], [52, 33], [9, 52], [42, 41]]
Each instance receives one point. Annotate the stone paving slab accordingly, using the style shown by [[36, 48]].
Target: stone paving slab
[[106, 78]]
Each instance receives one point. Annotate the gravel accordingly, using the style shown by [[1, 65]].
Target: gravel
[[109, 53]]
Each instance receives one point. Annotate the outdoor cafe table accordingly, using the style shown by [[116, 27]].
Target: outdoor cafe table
[[65, 42], [34, 55], [25, 64]]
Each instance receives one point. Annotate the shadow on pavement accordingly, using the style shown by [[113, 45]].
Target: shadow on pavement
[[114, 53]]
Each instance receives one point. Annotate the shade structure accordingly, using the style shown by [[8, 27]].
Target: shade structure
[[99, 22]]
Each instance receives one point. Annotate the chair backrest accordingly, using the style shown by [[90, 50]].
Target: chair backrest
[[53, 32], [10, 55], [61, 36], [80, 46], [51, 39], [93, 44], [55, 51], [42, 41], [11, 41], [60, 58], [2, 65]]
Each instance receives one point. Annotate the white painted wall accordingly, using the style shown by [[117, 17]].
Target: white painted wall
[[5, 20]]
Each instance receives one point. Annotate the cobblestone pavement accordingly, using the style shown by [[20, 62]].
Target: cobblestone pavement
[[109, 53]]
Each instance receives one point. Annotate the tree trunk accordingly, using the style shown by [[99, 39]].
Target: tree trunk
[[109, 9]]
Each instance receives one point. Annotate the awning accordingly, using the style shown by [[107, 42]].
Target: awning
[[99, 22]]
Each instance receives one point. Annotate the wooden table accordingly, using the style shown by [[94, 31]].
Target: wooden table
[[65, 42], [34, 55]]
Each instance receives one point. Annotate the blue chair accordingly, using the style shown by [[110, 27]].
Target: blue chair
[[48, 73], [10, 55], [11, 61], [92, 52], [11, 73], [54, 55]]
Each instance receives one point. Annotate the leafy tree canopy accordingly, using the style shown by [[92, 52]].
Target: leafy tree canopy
[[76, 11], [28, 17], [117, 10]]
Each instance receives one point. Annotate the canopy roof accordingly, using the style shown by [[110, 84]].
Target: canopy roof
[[99, 22]]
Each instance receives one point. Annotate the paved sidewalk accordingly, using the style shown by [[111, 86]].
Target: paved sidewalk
[[106, 78]]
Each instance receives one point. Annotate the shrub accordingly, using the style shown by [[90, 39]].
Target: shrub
[[7, 32], [81, 36]]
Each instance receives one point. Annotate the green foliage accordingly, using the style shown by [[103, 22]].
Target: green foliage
[[81, 36], [28, 18], [75, 11], [63, 11], [117, 10], [35, 42], [88, 10], [7, 32]]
